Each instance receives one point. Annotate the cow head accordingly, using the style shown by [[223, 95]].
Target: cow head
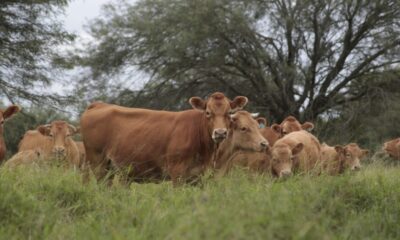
[[245, 132], [350, 156], [7, 113], [291, 124], [392, 148], [217, 109], [284, 158], [59, 132]]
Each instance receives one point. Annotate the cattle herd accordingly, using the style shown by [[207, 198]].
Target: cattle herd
[[216, 134]]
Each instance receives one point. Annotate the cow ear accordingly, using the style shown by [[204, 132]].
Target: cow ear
[[277, 128], [72, 129], [198, 103], [238, 103], [307, 126], [44, 129], [11, 110], [339, 149], [297, 149], [262, 122]]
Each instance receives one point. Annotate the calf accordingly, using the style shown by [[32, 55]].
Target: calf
[[291, 124], [54, 140], [254, 160], [392, 148], [27, 157], [337, 159], [296, 151], [4, 116], [244, 137]]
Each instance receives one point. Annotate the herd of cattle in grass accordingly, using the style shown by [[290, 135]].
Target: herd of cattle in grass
[[156, 145]]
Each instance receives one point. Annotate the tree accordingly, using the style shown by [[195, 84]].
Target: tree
[[29, 34], [288, 57]]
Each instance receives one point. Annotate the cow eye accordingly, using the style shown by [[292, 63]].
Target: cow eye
[[51, 135], [2, 122], [243, 129], [208, 114]]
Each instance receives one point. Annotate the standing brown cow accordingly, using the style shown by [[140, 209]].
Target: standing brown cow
[[296, 151], [54, 140], [392, 148], [151, 143], [5, 115]]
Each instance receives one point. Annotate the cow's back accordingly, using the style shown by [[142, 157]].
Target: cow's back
[[34, 140], [141, 138], [310, 156], [329, 159]]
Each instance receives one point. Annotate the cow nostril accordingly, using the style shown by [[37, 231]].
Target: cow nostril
[[264, 144]]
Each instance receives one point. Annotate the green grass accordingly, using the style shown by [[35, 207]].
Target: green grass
[[51, 203]]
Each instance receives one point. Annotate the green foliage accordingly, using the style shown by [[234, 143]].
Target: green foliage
[[29, 35], [51, 203], [300, 59]]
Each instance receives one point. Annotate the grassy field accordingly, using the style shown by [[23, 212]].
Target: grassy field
[[51, 203]]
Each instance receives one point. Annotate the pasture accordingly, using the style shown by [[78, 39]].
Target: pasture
[[51, 203]]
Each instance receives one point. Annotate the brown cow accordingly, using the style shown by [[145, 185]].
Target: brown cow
[[54, 140], [244, 136], [291, 124], [5, 115], [255, 161], [81, 149], [337, 159], [392, 148], [27, 157], [296, 151], [154, 143]]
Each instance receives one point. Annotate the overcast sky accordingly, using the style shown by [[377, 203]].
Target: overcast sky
[[80, 11]]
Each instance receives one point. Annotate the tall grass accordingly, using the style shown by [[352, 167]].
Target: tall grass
[[51, 203]]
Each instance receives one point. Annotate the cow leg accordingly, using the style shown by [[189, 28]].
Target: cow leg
[[95, 162], [177, 171]]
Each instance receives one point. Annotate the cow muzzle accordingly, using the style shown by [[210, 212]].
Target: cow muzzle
[[219, 134], [356, 168], [285, 174], [59, 152]]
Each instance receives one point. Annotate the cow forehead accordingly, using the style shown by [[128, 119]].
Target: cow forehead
[[218, 105], [244, 118], [293, 125], [281, 150], [59, 126]]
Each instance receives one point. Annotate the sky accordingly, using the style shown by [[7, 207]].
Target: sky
[[79, 12]]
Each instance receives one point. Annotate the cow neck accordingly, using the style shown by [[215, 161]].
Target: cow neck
[[223, 152], [207, 145]]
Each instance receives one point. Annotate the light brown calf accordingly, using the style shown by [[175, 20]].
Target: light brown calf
[[54, 140], [296, 151], [253, 160], [291, 124], [392, 148], [243, 137], [27, 157], [336, 160]]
